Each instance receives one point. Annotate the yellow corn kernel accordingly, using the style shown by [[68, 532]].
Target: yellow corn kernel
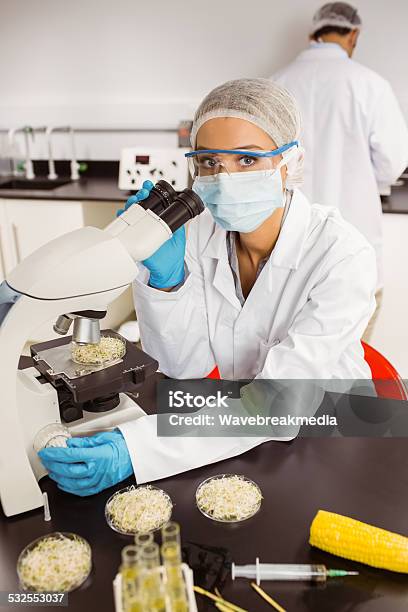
[[351, 539]]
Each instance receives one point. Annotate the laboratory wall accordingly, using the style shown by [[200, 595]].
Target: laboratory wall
[[99, 64], [125, 72]]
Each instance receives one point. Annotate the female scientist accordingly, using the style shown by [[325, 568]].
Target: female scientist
[[266, 286]]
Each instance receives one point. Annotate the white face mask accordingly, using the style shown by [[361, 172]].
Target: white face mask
[[242, 201]]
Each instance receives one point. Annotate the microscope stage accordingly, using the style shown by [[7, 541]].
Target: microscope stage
[[59, 361], [53, 360]]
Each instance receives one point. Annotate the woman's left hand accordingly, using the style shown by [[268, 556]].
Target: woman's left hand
[[90, 464]]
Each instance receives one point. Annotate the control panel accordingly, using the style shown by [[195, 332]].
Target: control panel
[[138, 165]]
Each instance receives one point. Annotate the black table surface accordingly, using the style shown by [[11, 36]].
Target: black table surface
[[363, 478]]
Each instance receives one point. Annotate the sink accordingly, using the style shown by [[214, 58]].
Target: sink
[[36, 183]]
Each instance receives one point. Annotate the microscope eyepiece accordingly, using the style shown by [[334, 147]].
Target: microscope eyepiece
[[175, 209], [186, 206], [157, 217], [161, 197]]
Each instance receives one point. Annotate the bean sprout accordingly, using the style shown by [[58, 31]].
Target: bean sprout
[[108, 349], [139, 509], [228, 498], [55, 563]]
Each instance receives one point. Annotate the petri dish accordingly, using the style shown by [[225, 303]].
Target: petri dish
[[108, 351], [138, 509], [57, 562], [241, 503], [52, 435]]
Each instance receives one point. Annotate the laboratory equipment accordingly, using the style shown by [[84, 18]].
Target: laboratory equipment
[[174, 581], [152, 586], [104, 352], [72, 280], [47, 514], [171, 533], [56, 562], [130, 572], [147, 580], [94, 388], [138, 164], [141, 509], [286, 571], [142, 539], [228, 498], [51, 436]]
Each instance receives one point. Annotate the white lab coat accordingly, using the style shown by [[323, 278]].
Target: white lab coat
[[354, 135], [303, 318]]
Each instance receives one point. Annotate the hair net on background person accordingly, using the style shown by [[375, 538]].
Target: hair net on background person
[[265, 104], [338, 14]]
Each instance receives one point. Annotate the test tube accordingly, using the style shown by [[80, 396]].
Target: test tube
[[131, 585], [130, 556], [143, 539], [153, 594], [171, 552], [171, 556], [175, 586], [47, 514], [171, 533], [150, 556]]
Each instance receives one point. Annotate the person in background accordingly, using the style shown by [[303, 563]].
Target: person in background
[[354, 133]]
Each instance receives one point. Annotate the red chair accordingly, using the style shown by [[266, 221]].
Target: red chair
[[387, 381], [214, 374]]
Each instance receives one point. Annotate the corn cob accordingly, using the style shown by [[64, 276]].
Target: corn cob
[[351, 539]]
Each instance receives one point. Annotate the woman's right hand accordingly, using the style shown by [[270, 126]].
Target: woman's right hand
[[166, 265]]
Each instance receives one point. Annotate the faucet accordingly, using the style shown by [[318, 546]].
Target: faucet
[[28, 131], [52, 175]]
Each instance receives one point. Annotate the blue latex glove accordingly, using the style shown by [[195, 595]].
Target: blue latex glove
[[166, 265], [90, 464], [142, 194]]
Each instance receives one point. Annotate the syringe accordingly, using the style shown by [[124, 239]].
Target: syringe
[[287, 571]]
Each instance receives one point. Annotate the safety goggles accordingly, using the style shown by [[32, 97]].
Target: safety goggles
[[210, 162]]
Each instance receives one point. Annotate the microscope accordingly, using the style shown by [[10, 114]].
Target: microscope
[[72, 280]]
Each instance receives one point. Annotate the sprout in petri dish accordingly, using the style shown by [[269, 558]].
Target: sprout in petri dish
[[228, 498], [138, 509], [108, 349], [58, 562]]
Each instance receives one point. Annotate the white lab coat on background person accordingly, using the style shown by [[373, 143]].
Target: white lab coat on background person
[[353, 132], [303, 319]]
